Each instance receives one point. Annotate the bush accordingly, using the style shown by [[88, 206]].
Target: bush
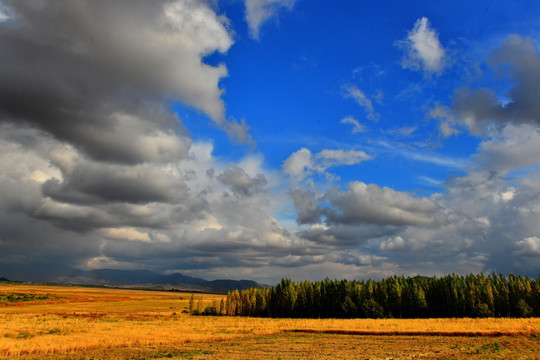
[[482, 310], [208, 311], [372, 309], [524, 310]]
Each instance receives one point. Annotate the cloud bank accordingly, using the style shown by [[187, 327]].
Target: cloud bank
[[97, 171]]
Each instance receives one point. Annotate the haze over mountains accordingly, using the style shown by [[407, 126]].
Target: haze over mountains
[[123, 278]]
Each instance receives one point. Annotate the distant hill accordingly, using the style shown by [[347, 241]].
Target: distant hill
[[176, 280], [225, 285], [134, 277], [118, 278], [3, 279]]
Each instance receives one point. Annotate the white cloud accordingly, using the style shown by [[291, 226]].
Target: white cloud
[[101, 262], [423, 50], [198, 31], [392, 244], [124, 186], [238, 131], [3, 16], [448, 125], [198, 211], [328, 158], [299, 164], [516, 147], [128, 234], [353, 92], [529, 246], [260, 11], [357, 127], [303, 162], [437, 160]]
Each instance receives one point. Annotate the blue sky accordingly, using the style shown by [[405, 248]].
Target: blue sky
[[269, 138], [290, 84]]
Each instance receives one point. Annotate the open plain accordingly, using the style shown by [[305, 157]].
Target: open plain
[[62, 322]]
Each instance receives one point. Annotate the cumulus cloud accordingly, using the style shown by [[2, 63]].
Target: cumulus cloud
[[299, 164], [353, 92], [483, 220], [392, 244], [515, 147], [306, 206], [160, 216], [98, 171], [521, 55], [345, 257], [260, 11], [84, 66], [240, 182], [529, 246], [480, 109], [494, 204], [88, 182], [364, 203], [350, 235], [423, 50]]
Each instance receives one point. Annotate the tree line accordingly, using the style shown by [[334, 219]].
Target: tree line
[[394, 297]]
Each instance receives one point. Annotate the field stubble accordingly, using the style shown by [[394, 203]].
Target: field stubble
[[120, 324]]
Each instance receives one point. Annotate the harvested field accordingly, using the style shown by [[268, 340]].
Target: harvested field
[[85, 323]]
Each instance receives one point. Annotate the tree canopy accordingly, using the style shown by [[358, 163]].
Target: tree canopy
[[397, 296]]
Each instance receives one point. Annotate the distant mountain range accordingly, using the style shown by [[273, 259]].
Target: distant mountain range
[[176, 280], [124, 278]]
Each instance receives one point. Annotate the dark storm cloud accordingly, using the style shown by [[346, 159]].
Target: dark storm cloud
[[306, 206], [94, 217], [349, 235], [89, 182], [97, 172], [476, 107], [96, 169], [93, 73]]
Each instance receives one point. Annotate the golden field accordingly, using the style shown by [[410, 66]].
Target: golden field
[[58, 322]]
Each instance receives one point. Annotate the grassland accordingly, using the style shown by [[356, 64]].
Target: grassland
[[48, 322]]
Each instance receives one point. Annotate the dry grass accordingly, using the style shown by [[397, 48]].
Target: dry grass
[[107, 321], [332, 346]]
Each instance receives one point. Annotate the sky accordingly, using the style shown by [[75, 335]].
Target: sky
[[261, 139]]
